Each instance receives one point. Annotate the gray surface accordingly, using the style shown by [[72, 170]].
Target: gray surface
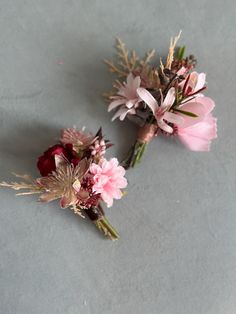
[[177, 253]]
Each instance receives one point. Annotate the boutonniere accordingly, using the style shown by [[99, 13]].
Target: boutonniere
[[164, 99], [76, 172]]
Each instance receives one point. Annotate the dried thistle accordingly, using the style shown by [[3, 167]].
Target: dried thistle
[[64, 183]]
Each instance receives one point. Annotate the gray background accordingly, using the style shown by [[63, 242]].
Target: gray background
[[177, 252]]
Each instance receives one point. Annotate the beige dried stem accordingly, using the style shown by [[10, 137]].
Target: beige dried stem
[[28, 184], [170, 56], [126, 60], [145, 61]]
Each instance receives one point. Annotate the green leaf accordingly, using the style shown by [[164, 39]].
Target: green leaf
[[187, 113], [180, 53]]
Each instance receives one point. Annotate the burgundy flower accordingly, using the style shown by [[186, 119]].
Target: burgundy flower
[[46, 163]]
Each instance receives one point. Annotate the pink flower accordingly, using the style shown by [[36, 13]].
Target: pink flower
[[161, 112], [127, 98], [193, 83], [108, 179], [182, 71], [197, 133]]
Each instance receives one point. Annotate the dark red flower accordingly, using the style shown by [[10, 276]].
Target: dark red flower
[[46, 162]]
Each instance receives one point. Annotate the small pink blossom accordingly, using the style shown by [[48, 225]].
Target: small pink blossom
[[127, 98], [161, 112], [108, 179], [197, 133], [183, 70], [98, 148], [193, 83]]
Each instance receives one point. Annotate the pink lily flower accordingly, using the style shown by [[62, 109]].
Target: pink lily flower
[[127, 98], [161, 113], [197, 133]]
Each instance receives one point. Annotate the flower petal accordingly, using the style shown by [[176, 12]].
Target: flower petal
[[136, 83], [195, 143], [107, 198], [121, 113], [201, 106], [129, 104], [115, 103], [173, 118], [148, 99], [198, 136], [200, 82], [164, 126], [130, 79], [169, 99]]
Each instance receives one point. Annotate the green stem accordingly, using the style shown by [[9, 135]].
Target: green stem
[[104, 226], [139, 151]]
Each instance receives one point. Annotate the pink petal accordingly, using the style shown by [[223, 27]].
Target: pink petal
[[201, 106], [195, 143], [115, 103], [164, 126], [181, 71], [136, 83], [107, 199], [129, 104], [130, 80], [117, 194], [169, 99], [94, 168], [194, 107], [124, 114], [148, 99], [192, 82], [173, 118], [201, 81], [121, 183], [114, 162], [207, 102], [205, 129], [121, 113], [198, 136]]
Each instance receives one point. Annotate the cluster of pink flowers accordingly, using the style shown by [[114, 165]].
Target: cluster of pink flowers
[[76, 172], [191, 117]]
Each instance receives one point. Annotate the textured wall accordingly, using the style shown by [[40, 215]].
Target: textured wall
[[177, 253]]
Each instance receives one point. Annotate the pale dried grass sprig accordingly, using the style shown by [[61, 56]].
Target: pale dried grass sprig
[[29, 184], [128, 61], [170, 56]]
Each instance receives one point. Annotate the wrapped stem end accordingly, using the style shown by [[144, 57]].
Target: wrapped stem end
[[97, 216], [145, 135]]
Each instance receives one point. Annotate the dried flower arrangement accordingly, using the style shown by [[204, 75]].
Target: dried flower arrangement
[[76, 172], [164, 99]]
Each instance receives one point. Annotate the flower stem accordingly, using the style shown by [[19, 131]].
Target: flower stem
[[108, 230], [135, 155], [97, 216], [144, 136]]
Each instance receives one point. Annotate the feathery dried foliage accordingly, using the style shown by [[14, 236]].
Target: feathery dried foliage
[[28, 184], [170, 56], [128, 61]]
